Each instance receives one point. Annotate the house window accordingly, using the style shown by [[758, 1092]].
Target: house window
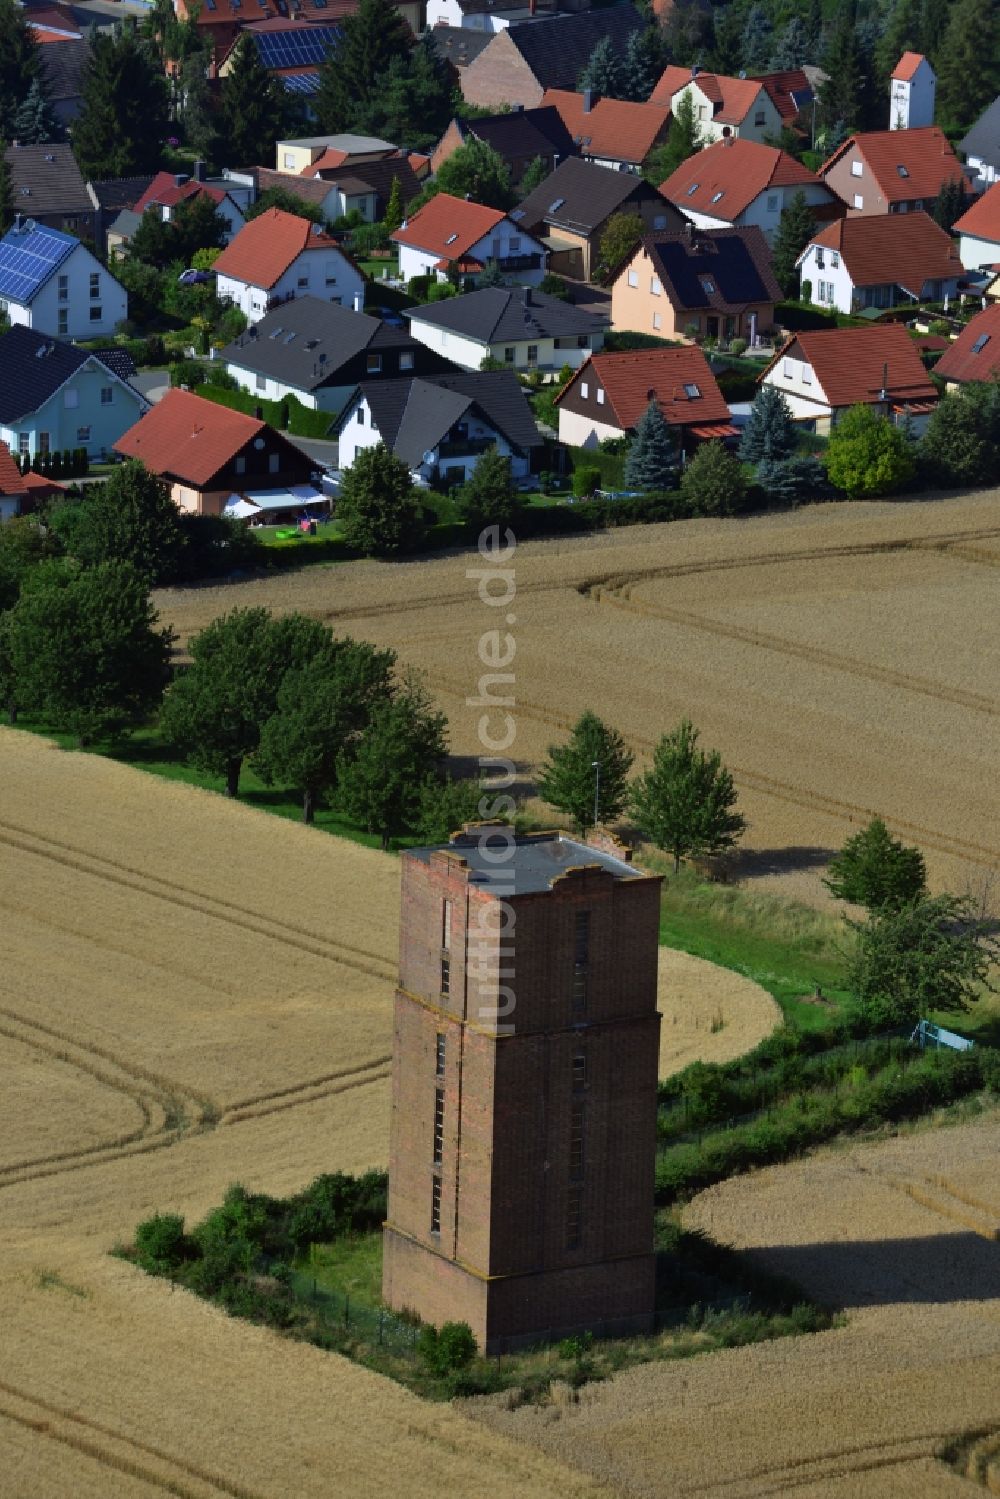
[[708, 286], [807, 375], [576, 1141], [580, 1072], [241, 463], [303, 280], [406, 359], [581, 950], [834, 260], [445, 977], [654, 286], [633, 278], [574, 1203], [508, 356], [23, 443], [583, 340], [446, 925], [859, 201], [703, 111], [107, 395], [857, 169], [786, 369], [82, 435], [600, 396], [96, 314], [261, 382], [71, 399], [435, 1205], [693, 392], [64, 288], [584, 389], [95, 285], [63, 320], [759, 117], [659, 222], [772, 202], [43, 442], [289, 161], [373, 364], [532, 353], [515, 244], [439, 1054], [70, 222], [273, 463], [361, 416], [820, 262], [438, 1125], [657, 320]]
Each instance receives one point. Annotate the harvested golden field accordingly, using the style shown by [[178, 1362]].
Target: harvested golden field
[[709, 1014], [857, 1411], [838, 657]]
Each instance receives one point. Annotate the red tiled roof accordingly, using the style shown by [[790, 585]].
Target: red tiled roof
[[906, 248], [718, 429], [781, 88], [906, 67], [670, 82], [924, 153], [42, 34], [266, 246], [850, 364], [11, 480], [448, 226], [732, 98], [330, 159], [164, 190], [959, 363], [613, 128], [632, 378], [738, 170], [982, 220], [188, 438]]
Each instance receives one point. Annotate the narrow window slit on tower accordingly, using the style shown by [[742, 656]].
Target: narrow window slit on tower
[[436, 1205], [574, 1217], [581, 949], [445, 976], [440, 1054], [438, 1125], [576, 1141]]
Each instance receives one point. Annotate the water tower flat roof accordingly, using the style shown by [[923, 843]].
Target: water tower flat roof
[[525, 864]]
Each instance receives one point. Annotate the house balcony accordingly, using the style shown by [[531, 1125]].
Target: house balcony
[[464, 447], [520, 263]]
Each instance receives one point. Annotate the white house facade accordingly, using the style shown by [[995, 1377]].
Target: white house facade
[[519, 255], [830, 284], [70, 294], [760, 120], [764, 210], [516, 354], [911, 93], [323, 273]]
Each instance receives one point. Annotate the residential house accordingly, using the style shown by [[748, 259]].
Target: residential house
[[319, 352], [823, 374], [55, 395], [570, 210], [221, 21], [345, 150], [975, 354], [484, 15], [911, 93], [981, 147], [454, 235], [365, 187], [520, 137], [256, 181], [723, 106], [607, 396], [458, 46], [46, 183], [49, 281], [292, 48], [892, 171], [65, 55], [741, 183], [853, 264], [441, 425], [793, 95], [112, 197], [519, 63], [610, 132], [167, 191], [698, 284], [211, 456], [518, 326], [978, 231], [278, 256], [21, 493]]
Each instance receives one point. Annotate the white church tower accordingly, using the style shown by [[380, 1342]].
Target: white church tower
[[911, 93]]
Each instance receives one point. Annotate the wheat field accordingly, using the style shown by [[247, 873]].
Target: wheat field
[[840, 658]]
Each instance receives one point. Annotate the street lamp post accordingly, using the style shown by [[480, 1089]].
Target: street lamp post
[[596, 766]]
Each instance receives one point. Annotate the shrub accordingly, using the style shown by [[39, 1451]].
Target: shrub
[[738, 347], [418, 286], [446, 1350], [585, 481], [161, 1244]]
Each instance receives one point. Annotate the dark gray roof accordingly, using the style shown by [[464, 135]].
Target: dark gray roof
[[578, 195], [983, 140], [52, 177], [310, 189], [116, 193], [125, 223], [416, 414], [326, 338], [378, 177], [497, 314], [557, 50], [33, 367], [459, 45], [536, 859], [64, 64], [721, 269], [523, 133]]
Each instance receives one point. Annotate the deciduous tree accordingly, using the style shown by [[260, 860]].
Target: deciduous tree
[[968, 62], [962, 442], [875, 870], [478, 171], [377, 508], [683, 141], [535, 175], [381, 782], [713, 482], [6, 191], [622, 233], [490, 497], [867, 455], [572, 782], [686, 803], [130, 518], [931, 954]]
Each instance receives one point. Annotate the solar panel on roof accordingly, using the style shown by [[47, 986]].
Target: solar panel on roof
[[300, 83], [28, 258], [296, 49]]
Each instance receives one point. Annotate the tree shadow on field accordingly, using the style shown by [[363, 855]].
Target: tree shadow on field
[[469, 767], [938, 1269], [750, 863]]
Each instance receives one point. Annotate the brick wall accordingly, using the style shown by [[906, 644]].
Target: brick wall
[[500, 75]]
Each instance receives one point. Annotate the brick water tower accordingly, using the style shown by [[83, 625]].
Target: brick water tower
[[524, 1076]]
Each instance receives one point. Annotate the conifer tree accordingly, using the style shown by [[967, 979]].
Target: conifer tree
[[535, 175], [603, 72], [20, 63], [814, 26], [949, 203], [35, 123], [902, 34], [123, 122], [354, 74], [252, 109], [637, 75], [769, 434], [796, 228], [968, 63], [758, 39], [416, 101], [6, 191], [394, 209], [651, 457], [874, 869], [840, 98], [792, 47], [726, 56], [683, 140]]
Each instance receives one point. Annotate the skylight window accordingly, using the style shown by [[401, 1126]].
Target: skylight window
[[556, 203], [277, 333], [693, 189], [451, 239], [707, 285], [289, 337], [717, 196], [980, 343], [903, 172], [692, 392], [517, 215]]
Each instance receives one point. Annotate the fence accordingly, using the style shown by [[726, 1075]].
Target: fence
[[337, 1313]]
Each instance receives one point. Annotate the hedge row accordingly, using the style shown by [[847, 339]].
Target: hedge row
[[287, 414]]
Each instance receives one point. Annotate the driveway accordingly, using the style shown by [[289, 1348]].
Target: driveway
[[154, 384]]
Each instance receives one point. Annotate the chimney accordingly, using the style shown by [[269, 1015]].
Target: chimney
[[695, 69], [357, 301], [527, 296], [883, 394], [516, 109], [180, 178], [588, 100], [199, 171], [532, 7]]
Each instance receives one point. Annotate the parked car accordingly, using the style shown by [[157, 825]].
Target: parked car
[[390, 318], [193, 277]]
